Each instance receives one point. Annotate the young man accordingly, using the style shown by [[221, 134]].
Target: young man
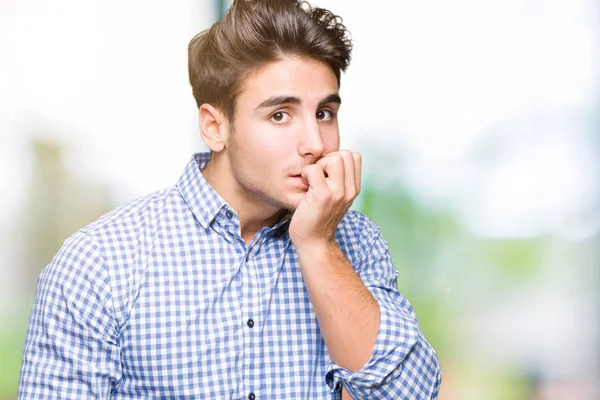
[[249, 278]]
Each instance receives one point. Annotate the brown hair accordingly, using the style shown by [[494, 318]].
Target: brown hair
[[254, 33]]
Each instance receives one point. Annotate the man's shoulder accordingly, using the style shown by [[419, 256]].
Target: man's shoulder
[[355, 233], [356, 223], [132, 216], [114, 239]]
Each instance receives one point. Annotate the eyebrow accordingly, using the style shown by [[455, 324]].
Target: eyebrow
[[279, 100], [332, 98]]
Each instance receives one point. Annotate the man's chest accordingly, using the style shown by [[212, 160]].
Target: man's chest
[[223, 323]]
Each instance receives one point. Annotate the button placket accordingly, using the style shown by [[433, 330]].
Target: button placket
[[251, 297]]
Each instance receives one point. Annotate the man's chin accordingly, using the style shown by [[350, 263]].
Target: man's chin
[[290, 206], [288, 203], [294, 201]]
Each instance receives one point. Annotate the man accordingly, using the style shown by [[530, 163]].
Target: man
[[249, 278]]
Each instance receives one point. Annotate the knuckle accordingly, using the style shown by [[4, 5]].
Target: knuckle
[[350, 194], [340, 199], [312, 168], [338, 196]]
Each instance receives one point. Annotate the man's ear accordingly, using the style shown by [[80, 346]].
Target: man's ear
[[214, 127]]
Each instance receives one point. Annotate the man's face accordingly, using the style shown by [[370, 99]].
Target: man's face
[[285, 118]]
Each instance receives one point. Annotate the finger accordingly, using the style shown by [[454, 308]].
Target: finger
[[357, 171], [333, 165], [349, 180], [315, 176]]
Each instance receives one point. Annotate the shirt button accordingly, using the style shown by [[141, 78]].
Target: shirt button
[[250, 323], [251, 396], [229, 214]]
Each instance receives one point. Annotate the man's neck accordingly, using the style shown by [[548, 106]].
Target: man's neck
[[253, 213]]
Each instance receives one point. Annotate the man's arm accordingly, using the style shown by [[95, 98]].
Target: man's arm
[[71, 348], [370, 330], [347, 312], [378, 351]]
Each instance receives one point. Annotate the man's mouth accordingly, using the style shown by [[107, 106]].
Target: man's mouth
[[300, 179]]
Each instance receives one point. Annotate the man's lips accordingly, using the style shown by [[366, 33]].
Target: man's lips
[[300, 179]]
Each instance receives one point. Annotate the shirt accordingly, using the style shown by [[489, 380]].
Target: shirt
[[162, 298]]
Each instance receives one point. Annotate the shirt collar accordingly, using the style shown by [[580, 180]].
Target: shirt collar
[[204, 202]]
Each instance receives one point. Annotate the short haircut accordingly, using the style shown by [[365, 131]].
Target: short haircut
[[254, 33]]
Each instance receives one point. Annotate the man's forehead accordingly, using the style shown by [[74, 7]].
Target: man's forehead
[[302, 78]]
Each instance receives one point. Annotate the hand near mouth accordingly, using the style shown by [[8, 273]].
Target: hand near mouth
[[333, 184], [301, 179]]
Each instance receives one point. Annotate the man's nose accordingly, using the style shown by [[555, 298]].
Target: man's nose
[[311, 143]]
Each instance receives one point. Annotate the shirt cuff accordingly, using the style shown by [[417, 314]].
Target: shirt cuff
[[397, 335]]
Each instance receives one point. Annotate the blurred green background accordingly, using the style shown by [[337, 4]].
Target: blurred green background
[[479, 125]]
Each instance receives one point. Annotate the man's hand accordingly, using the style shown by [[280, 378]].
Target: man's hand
[[347, 312], [334, 182]]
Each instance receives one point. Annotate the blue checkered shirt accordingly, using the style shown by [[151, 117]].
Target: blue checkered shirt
[[161, 298]]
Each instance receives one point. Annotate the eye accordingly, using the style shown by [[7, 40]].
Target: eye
[[325, 115], [280, 117]]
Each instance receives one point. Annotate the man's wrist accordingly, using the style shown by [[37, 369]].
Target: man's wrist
[[316, 247]]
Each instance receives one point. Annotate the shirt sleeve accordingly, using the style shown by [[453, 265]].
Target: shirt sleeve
[[71, 348], [403, 364]]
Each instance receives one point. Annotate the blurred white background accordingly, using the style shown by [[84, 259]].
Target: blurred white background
[[488, 111]]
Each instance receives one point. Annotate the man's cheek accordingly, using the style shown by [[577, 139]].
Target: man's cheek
[[332, 147]]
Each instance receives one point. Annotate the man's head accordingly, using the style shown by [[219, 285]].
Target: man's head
[[266, 79], [254, 33]]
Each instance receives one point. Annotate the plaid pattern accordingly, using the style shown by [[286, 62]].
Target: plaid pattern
[[161, 298]]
